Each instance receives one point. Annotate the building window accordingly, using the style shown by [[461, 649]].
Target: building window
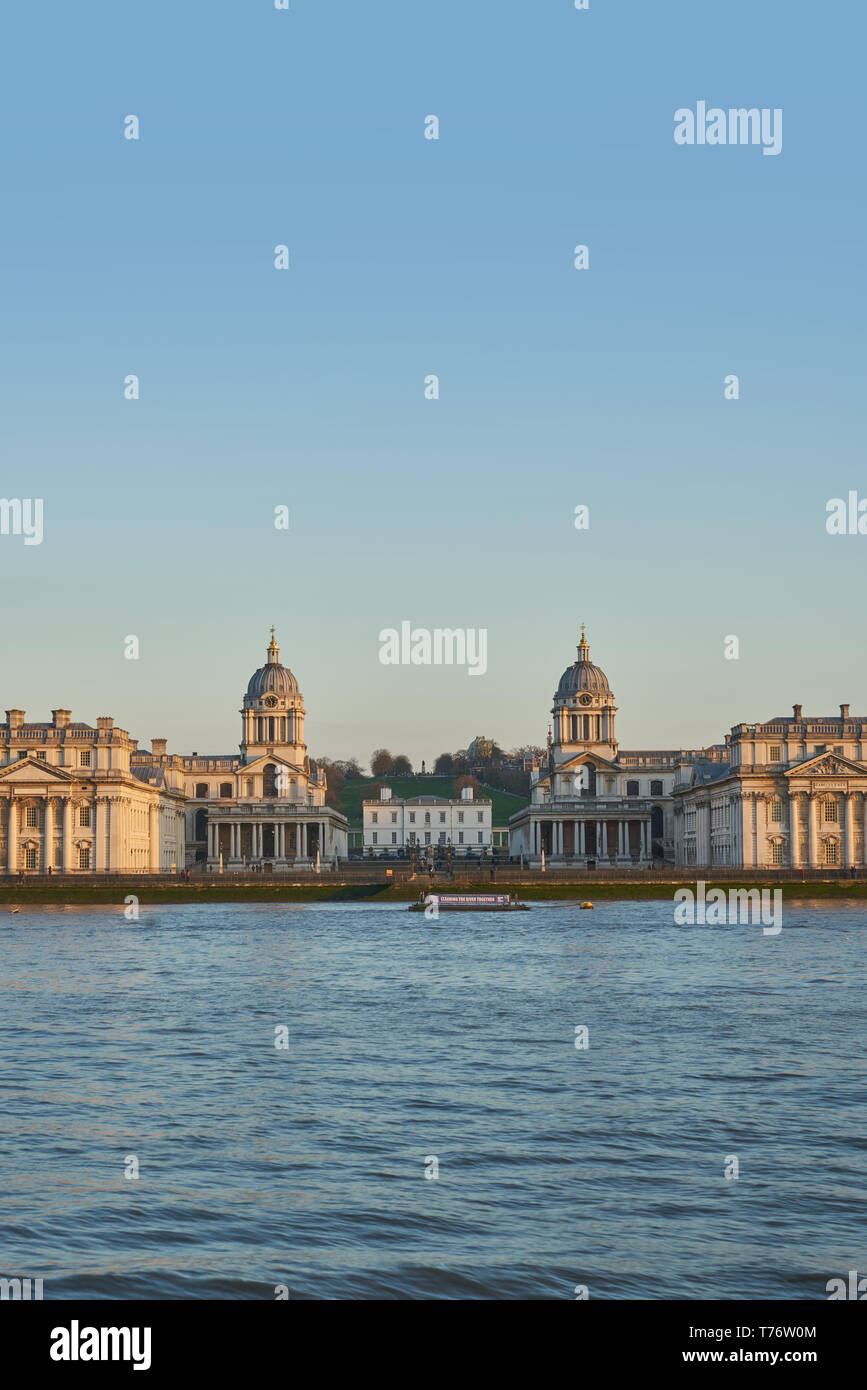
[[480, 837], [225, 791], [84, 757], [830, 814], [777, 852], [249, 791], [394, 817], [480, 817], [442, 837], [269, 780], [30, 859], [460, 817], [656, 788], [201, 790], [31, 815], [777, 810], [631, 788], [427, 817], [427, 837], [374, 817], [442, 817], [774, 752], [832, 851], [84, 815], [84, 858], [460, 837], [374, 837], [412, 817], [394, 837]]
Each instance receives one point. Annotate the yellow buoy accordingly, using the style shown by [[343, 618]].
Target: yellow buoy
[[583, 905], [16, 909]]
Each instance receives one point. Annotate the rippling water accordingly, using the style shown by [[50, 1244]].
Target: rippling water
[[410, 1039]]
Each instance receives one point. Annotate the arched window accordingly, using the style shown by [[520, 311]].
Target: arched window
[[269, 780], [656, 827], [225, 791], [631, 788], [201, 831], [832, 850], [656, 788], [202, 791]]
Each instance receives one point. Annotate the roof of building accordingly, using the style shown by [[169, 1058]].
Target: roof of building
[[272, 678], [583, 675]]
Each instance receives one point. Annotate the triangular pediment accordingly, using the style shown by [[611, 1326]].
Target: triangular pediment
[[276, 759], [32, 770], [593, 759], [828, 765]]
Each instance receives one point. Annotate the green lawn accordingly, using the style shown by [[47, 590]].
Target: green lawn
[[505, 804]]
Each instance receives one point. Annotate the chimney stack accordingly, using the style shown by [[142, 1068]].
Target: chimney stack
[[797, 710], [158, 747], [844, 711]]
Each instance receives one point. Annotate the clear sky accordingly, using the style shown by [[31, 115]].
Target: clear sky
[[412, 257]]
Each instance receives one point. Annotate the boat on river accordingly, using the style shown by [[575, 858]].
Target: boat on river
[[469, 902]]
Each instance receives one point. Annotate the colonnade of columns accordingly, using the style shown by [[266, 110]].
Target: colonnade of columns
[[283, 846], [844, 830], [108, 836], [616, 846]]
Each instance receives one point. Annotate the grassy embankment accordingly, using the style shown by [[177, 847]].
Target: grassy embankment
[[94, 894]]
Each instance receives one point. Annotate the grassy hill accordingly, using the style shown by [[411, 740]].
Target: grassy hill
[[505, 804]]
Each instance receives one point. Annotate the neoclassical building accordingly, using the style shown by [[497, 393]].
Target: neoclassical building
[[397, 825], [594, 801], [793, 794], [78, 799], [70, 801], [788, 793]]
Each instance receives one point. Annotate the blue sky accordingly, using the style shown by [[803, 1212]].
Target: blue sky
[[410, 257]]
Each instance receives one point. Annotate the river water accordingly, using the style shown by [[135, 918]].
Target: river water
[[401, 1041]]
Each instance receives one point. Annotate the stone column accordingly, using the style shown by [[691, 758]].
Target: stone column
[[48, 836], [12, 841], [605, 839], [794, 833], [99, 836], [302, 840], [813, 831], [761, 830], [113, 835], [154, 837], [850, 830], [67, 834]]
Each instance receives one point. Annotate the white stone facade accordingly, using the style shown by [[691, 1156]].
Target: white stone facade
[[791, 793], [83, 800], [392, 825]]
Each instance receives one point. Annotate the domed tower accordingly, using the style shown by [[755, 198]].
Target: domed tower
[[272, 719], [583, 710]]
